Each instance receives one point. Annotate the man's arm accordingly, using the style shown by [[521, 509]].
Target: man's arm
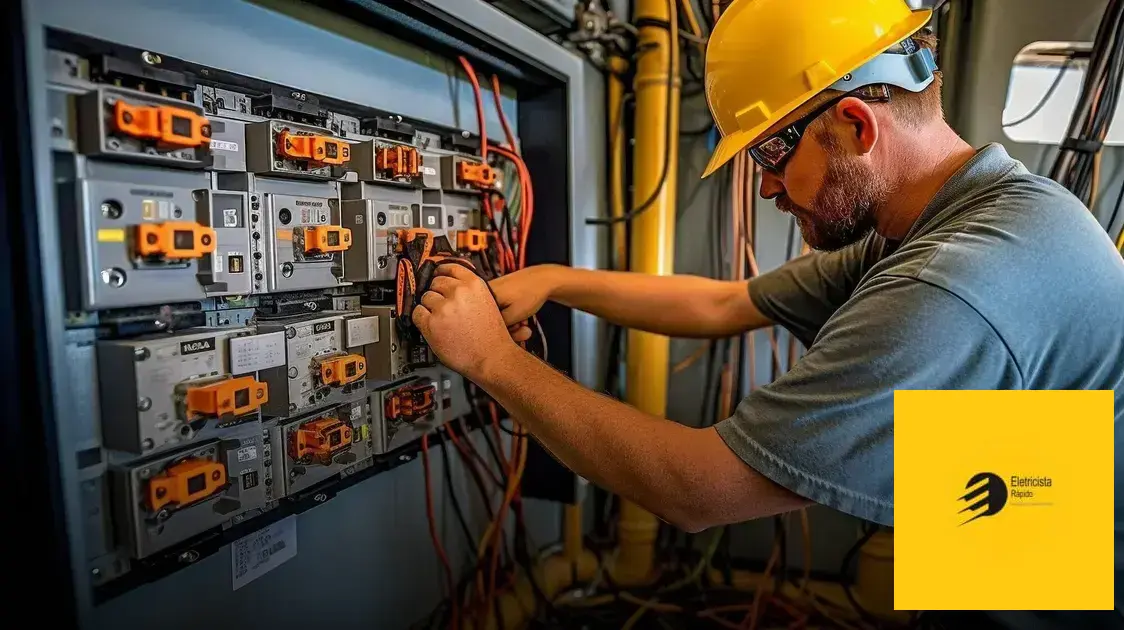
[[686, 476], [676, 306]]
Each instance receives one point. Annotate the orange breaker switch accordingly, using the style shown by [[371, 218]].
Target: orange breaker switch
[[342, 370], [187, 482], [232, 397], [320, 440], [410, 402], [398, 161], [473, 174], [472, 240], [326, 239], [166, 125], [319, 149], [180, 240]]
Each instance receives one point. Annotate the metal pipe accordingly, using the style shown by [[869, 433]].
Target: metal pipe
[[652, 250]]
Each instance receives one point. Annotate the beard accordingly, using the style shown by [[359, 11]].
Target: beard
[[842, 212]]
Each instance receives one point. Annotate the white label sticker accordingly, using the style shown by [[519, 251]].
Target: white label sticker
[[362, 331], [222, 145], [246, 453], [429, 170], [218, 263], [358, 219], [257, 352], [262, 551], [230, 217], [431, 220]]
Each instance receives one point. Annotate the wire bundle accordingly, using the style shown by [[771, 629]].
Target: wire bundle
[[1077, 164]]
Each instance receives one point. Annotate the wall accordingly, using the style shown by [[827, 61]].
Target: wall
[[999, 30]]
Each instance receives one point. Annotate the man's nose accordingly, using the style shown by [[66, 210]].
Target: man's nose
[[771, 185]]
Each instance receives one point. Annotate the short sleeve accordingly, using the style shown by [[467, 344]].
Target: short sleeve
[[825, 429], [804, 293]]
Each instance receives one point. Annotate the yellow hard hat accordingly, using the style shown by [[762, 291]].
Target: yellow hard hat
[[768, 57]]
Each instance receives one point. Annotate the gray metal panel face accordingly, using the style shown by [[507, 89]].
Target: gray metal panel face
[[142, 382], [262, 152], [227, 270], [228, 145], [388, 359], [241, 453], [97, 138], [371, 220], [81, 410], [297, 475], [283, 265], [111, 276], [296, 387]]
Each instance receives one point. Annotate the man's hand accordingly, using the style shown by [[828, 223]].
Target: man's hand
[[459, 319], [521, 294]]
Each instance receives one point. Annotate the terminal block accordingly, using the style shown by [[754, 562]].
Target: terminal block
[[173, 240], [463, 174], [185, 483], [135, 126], [166, 499], [383, 161], [225, 398], [314, 347], [164, 390], [404, 412], [337, 371], [319, 440], [283, 148], [475, 175], [322, 239], [308, 450], [472, 241], [149, 235]]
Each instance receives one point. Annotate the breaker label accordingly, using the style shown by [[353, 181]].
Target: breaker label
[[230, 217], [323, 327], [429, 170], [259, 553], [222, 145], [246, 453], [197, 346]]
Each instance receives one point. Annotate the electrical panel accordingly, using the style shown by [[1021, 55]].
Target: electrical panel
[[241, 261]]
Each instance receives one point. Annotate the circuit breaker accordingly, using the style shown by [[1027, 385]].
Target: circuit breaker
[[295, 233], [320, 369], [130, 125], [393, 356], [289, 149], [373, 213], [309, 449], [149, 234], [164, 390], [167, 499], [406, 411]]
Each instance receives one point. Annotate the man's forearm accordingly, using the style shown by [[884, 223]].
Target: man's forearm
[[676, 306]]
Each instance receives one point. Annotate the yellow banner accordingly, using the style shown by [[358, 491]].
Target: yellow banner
[[1003, 500]]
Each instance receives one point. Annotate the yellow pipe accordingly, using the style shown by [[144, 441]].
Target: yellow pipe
[[617, 67], [653, 242]]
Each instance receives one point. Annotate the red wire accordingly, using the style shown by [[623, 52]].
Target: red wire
[[480, 126], [503, 117], [449, 583]]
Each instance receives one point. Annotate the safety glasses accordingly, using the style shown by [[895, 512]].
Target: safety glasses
[[772, 152]]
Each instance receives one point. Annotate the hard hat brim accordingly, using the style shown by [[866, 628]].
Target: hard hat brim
[[729, 146]]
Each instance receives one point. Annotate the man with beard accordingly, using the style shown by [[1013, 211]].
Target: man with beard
[[938, 266]]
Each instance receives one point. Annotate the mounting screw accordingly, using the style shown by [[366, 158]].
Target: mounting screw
[[465, 134], [278, 164], [150, 58], [113, 144], [403, 458], [144, 404], [111, 209], [96, 572]]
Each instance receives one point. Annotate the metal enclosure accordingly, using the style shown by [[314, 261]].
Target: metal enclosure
[[558, 117]]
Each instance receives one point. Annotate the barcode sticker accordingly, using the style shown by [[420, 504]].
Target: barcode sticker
[[262, 551]]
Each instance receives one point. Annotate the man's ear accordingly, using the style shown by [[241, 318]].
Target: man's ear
[[860, 125]]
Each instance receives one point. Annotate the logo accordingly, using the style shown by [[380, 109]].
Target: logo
[[314, 204], [989, 495], [195, 347], [323, 327]]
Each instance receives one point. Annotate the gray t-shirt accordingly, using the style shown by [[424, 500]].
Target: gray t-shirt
[[1006, 281]]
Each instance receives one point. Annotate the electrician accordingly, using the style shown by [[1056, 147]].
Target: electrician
[[938, 266]]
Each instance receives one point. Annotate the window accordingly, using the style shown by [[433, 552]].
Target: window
[[1045, 83]]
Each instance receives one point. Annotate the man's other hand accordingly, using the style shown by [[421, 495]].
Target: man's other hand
[[458, 318], [521, 294]]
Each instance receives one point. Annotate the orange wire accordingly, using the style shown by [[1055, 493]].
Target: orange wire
[[481, 127], [437, 546]]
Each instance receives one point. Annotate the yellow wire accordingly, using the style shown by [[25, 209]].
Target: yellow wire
[[1120, 241], [689, 9]]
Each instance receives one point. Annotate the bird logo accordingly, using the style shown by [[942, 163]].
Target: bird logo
[[986, 496]]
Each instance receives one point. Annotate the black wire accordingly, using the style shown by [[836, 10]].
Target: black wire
[[848, 559], [658, 191], [453, 495], [1115, 208], [1045, 97]]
